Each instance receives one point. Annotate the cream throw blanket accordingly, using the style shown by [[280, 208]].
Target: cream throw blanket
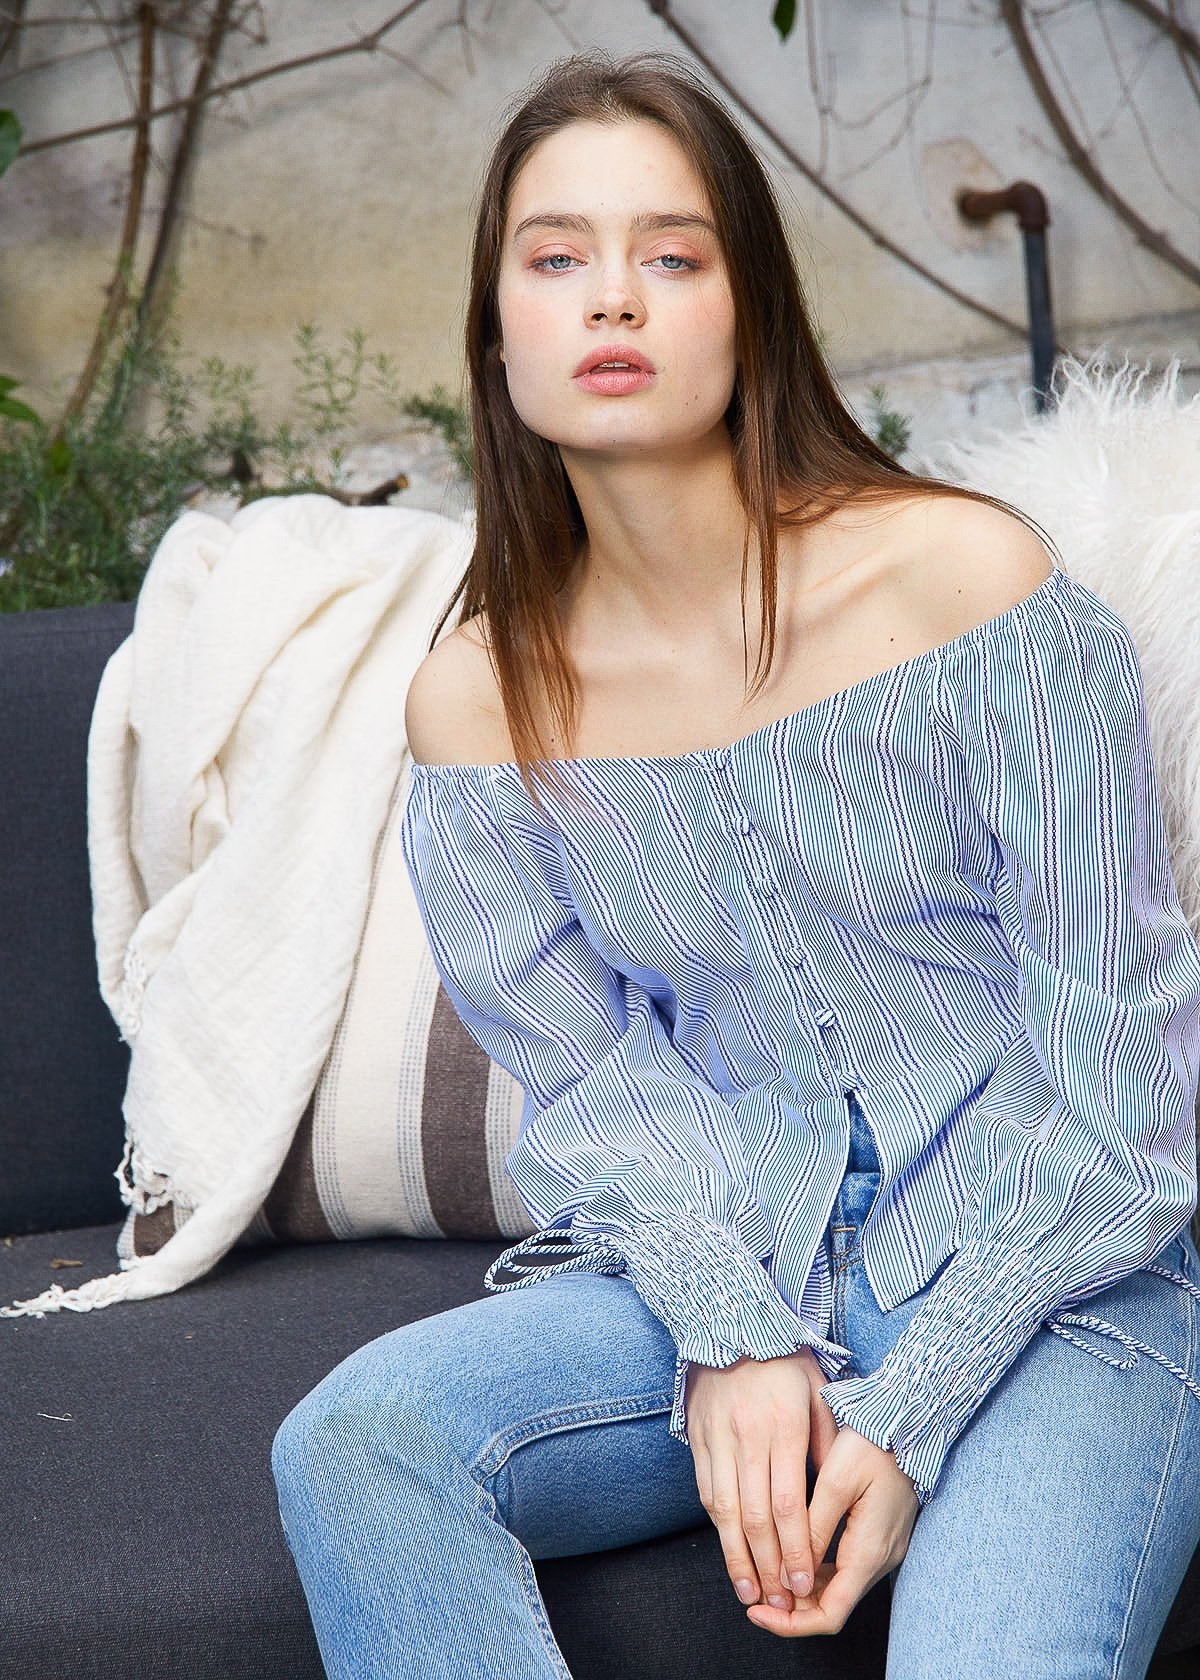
[[245, 743]]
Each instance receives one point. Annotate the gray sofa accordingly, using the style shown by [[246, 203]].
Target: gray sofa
[[140, 1536]]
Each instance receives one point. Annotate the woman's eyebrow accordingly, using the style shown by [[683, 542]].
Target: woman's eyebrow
[[649, 221]]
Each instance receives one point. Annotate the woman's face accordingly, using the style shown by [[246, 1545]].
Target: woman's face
[[608, 243]]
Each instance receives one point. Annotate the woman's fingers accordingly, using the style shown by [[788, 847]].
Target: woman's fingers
[[862, 1483], [773, 1492], [826, 1610], [750, 1443], [839, 1585], [789, 1511], [730, 1517]]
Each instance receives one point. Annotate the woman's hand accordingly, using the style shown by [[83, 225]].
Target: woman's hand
[[751, 1427], [864, 1480]]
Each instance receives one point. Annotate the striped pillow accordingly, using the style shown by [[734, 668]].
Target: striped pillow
[[406, 1132]]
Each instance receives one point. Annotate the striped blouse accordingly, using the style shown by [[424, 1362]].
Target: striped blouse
[[945, 888]]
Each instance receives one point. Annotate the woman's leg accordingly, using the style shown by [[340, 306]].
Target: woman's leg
[[1066, 1515], [420, 1478]]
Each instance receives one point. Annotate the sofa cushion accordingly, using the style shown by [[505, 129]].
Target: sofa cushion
[[138, 1509], [62, 1064]]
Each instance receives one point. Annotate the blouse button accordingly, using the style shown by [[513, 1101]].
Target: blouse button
[[744, 824], [795, 955], [763, 885], [824, 1017], [851, 1079]]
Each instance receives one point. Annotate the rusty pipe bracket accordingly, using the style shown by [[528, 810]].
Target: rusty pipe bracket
[[1022, 199], [1028, 204]]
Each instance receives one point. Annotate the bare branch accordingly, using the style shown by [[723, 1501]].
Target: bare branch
[[118, 291], [1185, 64], [1012, 12], [364, 43], [911, 96], [1129, 103], [1018, 328], [13, 19], [25, 72], [114, 47], [218, 27], [14, 13], [1185, 39]]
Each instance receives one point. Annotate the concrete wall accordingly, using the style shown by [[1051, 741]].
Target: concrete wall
[[343, 193]]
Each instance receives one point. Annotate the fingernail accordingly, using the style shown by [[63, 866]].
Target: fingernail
[[779, 1602], [746, 1591], [801, 1584]]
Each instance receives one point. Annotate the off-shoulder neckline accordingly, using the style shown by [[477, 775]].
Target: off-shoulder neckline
[[702, 755]]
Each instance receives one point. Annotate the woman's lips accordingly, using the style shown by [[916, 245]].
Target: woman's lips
[[595, 374], [615, 381]]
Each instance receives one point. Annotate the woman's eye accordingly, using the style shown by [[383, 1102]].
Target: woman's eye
[[672, 258], [550, 263]]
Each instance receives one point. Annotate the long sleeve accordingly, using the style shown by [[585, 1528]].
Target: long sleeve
[[1084, 1135], [629, 1158]]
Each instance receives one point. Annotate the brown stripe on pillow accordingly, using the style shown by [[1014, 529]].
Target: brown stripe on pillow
[[453, 1128], [293, 1208], [146, 1233]]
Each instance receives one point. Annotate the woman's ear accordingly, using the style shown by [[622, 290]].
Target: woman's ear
[[502, 352]]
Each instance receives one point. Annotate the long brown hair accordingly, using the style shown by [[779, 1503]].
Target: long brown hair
[[790, 428]]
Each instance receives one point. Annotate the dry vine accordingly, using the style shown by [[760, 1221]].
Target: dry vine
[[369, 43], [118, 288], [1012, 11], [825, 187]]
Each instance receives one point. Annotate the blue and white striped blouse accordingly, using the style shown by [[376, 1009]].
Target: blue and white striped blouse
[[945, 888]]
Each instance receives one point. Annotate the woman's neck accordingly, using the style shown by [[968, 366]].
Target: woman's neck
[[663, 551]]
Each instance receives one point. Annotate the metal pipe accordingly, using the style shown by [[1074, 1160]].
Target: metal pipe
[[1028, 204]]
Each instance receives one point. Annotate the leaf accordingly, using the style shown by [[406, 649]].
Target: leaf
[[58, 456], [11, 136], [10, 407], [58, 1265], [784, 17]]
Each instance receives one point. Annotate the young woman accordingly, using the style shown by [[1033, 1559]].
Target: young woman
[[856, 1013]]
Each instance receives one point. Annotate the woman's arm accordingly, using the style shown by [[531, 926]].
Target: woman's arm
[[1084, 1135]]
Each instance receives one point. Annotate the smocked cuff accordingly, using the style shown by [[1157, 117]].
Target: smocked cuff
[[986, 1307], [699, 1281]]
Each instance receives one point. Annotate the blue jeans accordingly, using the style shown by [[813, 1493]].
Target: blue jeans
[[418, 1481]]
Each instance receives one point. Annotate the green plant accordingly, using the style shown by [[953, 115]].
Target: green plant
[[10, 407], [438, 409], [82, 510], [890, 429], [10, 145], [784, 17], [10, 138], [449, 418]]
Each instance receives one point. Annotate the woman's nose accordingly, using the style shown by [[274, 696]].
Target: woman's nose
[[616, 300]]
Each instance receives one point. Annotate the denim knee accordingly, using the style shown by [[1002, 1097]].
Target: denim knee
[[292, 1454], [328, 1431]]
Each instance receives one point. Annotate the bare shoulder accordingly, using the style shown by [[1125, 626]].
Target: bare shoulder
[[961, 562], [452, 712]]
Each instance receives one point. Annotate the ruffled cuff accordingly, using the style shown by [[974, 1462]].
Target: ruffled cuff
[[986, 1307], [699, 1281]]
